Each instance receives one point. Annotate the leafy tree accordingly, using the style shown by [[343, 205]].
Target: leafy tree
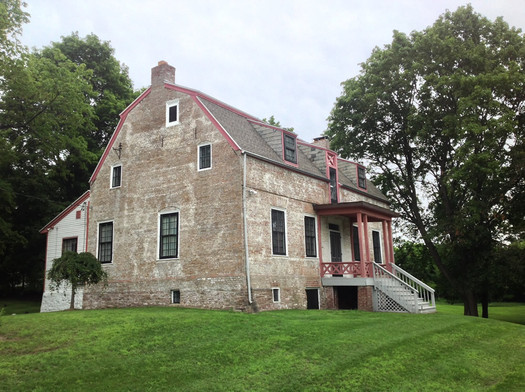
[[441, 114], [76, 269], [47, 163], [57, 108], [275, 123], [415, 258], [12, 17], [111, 85]]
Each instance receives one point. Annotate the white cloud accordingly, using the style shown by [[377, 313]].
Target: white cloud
[[280, 57]]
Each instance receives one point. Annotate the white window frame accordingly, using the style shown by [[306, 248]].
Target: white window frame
[[169, 104], [285, 232], [316, 237], [278, 291], [112, 241], [111, 176], [166, 212], [199, 156]]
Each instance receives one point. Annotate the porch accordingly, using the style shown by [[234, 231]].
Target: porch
[[362, 232]]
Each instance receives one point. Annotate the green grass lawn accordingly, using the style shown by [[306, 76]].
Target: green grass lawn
[[168, 349], [19, 306], [503, 311]]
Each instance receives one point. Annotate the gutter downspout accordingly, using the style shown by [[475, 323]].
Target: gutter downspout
[[246, 253]]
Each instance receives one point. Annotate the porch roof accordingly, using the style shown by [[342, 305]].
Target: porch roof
[[374, 212]]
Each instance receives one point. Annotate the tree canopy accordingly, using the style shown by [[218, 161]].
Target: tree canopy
[[76, 269], [441, 114], [112, 89], [58, 107]]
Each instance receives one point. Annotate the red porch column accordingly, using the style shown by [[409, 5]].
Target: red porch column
[[386, 242], [391, 241], [366, 239], [360, 234], [320, 245]]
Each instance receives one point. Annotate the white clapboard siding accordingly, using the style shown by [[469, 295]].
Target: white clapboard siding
[[70, 223]]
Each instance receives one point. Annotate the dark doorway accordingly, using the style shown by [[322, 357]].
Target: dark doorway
[[312, 298], [335, 246], [346, 297]]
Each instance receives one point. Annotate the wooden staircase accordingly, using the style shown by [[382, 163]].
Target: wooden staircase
[[398, 291]]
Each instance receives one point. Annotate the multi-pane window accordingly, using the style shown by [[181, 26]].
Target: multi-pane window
[[205, 157], [361, 177], [377, 246], [116, 176], [276, 294], [175, 296], [309, 236], [278, 233], [169, 236], [69, 244], [290, 148], [105, 242], [172, 112]]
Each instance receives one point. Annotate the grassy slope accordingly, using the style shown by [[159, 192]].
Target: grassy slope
[[195, 350]]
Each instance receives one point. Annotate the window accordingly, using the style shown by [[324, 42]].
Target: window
[[105, 242], [310, 237], [169, 236], [116, 176], [361, 177], [172, 113], [205, 157], [377, 246], [278, 233], [175, 296], [355, 238], [276, 294], [333, 185], [290, 148], [69, 244]]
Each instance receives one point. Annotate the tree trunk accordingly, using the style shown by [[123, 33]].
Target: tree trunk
[[470, 305], [485, 305], [72, 304]]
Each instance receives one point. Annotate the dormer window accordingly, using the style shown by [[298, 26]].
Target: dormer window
[[172, 113], [290, 148], [361, 177]]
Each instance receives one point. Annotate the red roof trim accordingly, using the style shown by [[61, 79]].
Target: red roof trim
[[224, 133], [61, 216], [263, 124], [196, 93], [123, 116]]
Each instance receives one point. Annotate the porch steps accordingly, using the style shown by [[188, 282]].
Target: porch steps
[[401, 292]]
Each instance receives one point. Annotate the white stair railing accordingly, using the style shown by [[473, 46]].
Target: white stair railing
[[425, 292], [399, 291]]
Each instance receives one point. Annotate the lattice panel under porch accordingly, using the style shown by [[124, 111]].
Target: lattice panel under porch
[[387, 304]]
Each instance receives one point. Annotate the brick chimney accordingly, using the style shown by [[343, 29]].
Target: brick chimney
[[162, 73], [322, 141]]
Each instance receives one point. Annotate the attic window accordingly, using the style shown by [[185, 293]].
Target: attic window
[[172, 113], [361, 177], [116, 176], [290, 148]]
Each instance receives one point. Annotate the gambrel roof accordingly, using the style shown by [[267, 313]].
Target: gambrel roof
[[254, 137]]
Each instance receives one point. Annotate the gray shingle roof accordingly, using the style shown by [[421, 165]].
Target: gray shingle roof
[[260, 139]]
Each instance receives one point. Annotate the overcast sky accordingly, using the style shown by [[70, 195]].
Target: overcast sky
[[284, 58]]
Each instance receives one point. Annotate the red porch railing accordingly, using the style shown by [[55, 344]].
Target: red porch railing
[[350, 268]]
